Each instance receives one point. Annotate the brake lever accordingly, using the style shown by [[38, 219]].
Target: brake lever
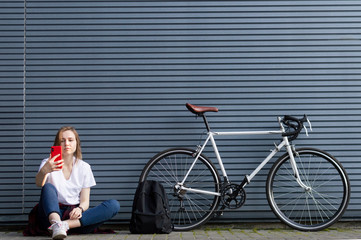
[[309, 125]]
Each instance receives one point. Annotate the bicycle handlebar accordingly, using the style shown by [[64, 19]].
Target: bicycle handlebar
[[288, 121]]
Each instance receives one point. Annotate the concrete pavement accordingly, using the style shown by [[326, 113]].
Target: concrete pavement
[[217, 232]]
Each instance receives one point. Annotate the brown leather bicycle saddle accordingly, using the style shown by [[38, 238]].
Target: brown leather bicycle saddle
[[200, 109]]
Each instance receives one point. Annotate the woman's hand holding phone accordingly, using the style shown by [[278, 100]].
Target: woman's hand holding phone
[[51, 165], [55, 162]]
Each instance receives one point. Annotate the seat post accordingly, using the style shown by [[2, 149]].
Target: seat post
[[205, 122]]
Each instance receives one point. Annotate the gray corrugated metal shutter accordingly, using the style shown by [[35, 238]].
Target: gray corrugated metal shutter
[[11, 107], [121, 72]]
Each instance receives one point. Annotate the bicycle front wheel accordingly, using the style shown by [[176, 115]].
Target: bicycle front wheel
[[189, 208], [324, 200]]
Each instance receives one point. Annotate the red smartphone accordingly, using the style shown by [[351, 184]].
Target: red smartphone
[[55, 150]]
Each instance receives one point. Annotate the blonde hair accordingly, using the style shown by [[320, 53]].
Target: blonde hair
[[57, 141]]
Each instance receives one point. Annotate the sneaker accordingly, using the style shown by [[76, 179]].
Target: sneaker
[[58, 230]]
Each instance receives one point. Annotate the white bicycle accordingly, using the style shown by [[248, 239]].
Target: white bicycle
[[307, 189]]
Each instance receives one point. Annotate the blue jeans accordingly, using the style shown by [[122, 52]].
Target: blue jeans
[[91, 218]]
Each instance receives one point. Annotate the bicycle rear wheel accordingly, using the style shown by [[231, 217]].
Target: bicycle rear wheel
[[188, 209], [318, 207]]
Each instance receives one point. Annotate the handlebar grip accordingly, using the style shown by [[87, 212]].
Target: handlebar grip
[[287, 117], [297, 128]]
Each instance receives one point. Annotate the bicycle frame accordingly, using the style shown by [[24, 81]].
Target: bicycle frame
[[248, 178]]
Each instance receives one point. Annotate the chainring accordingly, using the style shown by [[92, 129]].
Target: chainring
[[232, 200]]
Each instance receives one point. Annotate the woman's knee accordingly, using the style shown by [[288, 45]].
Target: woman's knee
[[49, 188], [113, 206]]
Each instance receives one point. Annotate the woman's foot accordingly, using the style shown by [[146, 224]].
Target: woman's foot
[[58, 230]]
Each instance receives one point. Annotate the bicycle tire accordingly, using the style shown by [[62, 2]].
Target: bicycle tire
[[188, 209], [317, 208]]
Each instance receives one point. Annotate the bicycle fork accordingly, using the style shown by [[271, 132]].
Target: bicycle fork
[[291, 152]]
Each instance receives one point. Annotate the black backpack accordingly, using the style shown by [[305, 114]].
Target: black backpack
[[150, 212]]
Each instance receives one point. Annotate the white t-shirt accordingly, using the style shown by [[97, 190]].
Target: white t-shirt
[[69, 190]]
